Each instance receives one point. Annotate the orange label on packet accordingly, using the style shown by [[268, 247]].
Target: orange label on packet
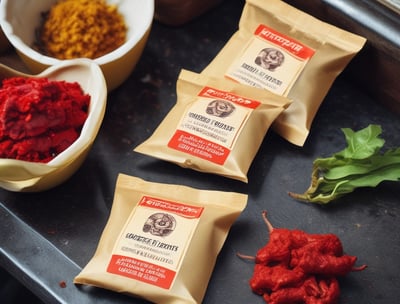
[[228, 96], [211, 125], [200, 147], [270, 60], [154, 240], [142, 271], [181, 209], [291, 45]]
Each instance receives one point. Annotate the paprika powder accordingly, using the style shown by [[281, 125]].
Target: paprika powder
[[40, 118], [298, 267]]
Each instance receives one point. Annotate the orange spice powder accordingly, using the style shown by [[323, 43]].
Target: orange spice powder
[[82, 28]]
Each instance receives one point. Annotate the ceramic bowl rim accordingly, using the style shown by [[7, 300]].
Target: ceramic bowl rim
[[121, 51]]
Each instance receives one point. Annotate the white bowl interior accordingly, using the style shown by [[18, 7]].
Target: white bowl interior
[[20, 18]]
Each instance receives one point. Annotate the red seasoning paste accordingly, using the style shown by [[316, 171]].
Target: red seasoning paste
[[40, 118]]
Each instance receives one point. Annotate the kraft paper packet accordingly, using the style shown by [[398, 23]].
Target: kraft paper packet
[[216, 125], [282, 49], [161, 241]]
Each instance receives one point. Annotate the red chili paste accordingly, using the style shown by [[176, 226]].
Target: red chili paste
[[40, 118]]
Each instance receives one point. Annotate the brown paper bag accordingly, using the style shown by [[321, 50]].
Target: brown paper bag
[[161, 241], [216, 125], [282, 49]]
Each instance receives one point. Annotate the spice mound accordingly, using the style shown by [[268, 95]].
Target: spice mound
[[298, 267], [81, 28], [39, 118]]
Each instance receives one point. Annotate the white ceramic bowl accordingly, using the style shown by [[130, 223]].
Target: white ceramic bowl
[[20, 18], [24, 176]]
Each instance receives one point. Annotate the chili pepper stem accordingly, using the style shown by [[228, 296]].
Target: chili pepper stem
[[246, 257], [359, 268], [267, 222], [270, 228]]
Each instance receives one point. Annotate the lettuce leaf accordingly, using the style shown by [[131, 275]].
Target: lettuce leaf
[[361, 164]]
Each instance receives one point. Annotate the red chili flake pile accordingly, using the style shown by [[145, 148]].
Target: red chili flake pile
[[40, 118], [298, 267]]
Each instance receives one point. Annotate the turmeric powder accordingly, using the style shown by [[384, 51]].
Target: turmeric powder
[[81, 28]]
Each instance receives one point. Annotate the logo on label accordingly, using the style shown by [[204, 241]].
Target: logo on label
[[270, 59], [220, 108], [160, 224]]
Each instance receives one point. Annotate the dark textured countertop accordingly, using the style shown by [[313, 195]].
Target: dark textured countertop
[[48, 237]]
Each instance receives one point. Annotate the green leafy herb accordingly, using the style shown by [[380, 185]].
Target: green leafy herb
[[361, 164]]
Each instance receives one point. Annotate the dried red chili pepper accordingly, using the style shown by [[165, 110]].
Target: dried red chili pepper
[[299, 267], [40, 118], [309, 291], [314, 262], [277, 250], [272, 278], [283, 241]]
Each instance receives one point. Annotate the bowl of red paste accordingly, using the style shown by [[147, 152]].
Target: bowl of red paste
[[79, 29], [48, 123]]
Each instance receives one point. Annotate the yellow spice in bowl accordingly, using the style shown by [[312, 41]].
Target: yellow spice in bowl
[[81, 28]]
